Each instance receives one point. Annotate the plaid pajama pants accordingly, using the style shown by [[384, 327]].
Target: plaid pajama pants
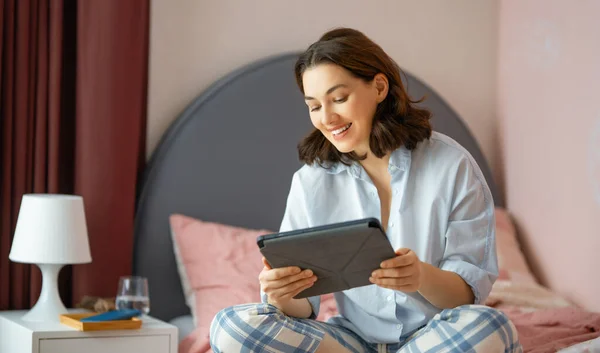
[[264, 328]]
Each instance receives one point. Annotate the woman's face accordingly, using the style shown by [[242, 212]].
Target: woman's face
[[342, 106]]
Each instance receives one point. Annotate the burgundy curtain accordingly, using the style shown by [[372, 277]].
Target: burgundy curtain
[[73, 81]]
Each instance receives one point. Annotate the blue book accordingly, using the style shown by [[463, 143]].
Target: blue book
[[113, 315]]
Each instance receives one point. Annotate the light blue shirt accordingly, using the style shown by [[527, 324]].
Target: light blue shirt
[[441, 208]]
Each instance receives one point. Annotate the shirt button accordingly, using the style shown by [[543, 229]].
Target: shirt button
[[372, 193], [392, 224], [389, 298], [395, 191], [398, 326]]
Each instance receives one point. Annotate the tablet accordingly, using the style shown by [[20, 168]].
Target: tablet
[[341, 255]]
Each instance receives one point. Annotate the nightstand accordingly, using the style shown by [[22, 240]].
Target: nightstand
[[18, 336]]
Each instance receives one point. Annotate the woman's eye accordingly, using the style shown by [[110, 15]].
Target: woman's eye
[[340, 100], [314, 109]]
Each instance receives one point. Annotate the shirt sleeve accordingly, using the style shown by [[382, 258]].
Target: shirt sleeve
[[470, 248], [296, 217]]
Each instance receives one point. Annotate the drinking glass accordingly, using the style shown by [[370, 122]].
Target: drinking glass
[[133, 294]]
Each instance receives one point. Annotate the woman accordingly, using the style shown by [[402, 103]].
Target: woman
[[373, 154]]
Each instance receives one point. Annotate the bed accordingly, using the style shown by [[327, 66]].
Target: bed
[[229, 159]]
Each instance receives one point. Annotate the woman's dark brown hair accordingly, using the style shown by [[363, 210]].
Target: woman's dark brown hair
[[397, 120]]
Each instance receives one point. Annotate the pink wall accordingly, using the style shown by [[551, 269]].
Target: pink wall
[[549, 113]]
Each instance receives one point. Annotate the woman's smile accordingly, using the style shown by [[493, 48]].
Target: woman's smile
[[339, 134]]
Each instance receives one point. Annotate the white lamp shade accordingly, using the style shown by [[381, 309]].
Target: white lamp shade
[[51, 229]]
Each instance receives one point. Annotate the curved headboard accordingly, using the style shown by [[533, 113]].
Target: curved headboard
[[229, 158]]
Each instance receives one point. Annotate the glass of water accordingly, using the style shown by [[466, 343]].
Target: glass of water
[[133, 294]]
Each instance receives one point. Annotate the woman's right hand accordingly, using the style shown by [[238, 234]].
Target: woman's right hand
[[281, 285]]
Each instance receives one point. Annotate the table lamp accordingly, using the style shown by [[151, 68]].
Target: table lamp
[[51, 232]]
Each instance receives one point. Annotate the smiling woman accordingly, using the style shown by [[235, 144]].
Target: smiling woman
[[356, 101], [373, 153]]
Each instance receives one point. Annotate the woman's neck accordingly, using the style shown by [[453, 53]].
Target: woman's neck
[[377, 168]]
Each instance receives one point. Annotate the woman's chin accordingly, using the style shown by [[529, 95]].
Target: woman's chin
[[344, 148]]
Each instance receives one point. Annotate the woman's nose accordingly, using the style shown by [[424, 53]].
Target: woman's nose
[[329, 116]]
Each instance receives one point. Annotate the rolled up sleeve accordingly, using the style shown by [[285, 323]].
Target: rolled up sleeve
[[470, 248], [296, 217]]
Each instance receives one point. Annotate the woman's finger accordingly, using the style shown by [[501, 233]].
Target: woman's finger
[[397, 272], [283, 282], [278, 273], [292, 289], [300, 290], [399, 261]]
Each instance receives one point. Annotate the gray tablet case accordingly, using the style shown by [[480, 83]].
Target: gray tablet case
[[341, 255]]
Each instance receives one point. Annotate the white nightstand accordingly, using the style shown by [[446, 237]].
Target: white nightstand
[[18, 336]]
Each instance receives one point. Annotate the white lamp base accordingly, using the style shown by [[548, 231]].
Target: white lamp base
[[49, 306]]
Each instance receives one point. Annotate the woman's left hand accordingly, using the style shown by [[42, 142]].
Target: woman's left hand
[[403, 272]]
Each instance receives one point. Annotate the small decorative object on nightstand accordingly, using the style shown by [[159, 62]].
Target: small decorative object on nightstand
[[51, 232], [19, 336]]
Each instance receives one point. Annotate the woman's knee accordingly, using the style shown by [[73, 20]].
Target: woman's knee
[[497, 320], [482, 328], [232, 320]]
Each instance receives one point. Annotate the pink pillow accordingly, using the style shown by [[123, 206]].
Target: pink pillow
[[221, 266], [511, 261]]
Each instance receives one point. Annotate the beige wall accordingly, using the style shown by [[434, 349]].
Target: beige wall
[[549, 110], [451, 45]]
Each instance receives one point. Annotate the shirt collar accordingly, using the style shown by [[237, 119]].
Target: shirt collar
[[399, 161]]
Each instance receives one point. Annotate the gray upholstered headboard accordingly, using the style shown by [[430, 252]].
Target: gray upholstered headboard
[[229, 158]]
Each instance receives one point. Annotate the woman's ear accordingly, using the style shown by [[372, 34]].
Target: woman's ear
[[382, 86]]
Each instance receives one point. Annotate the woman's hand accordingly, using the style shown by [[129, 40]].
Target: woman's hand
[[282, 284], [403, 272]]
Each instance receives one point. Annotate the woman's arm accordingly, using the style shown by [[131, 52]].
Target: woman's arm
[[405, 272], [469, 265], [444, 289]]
